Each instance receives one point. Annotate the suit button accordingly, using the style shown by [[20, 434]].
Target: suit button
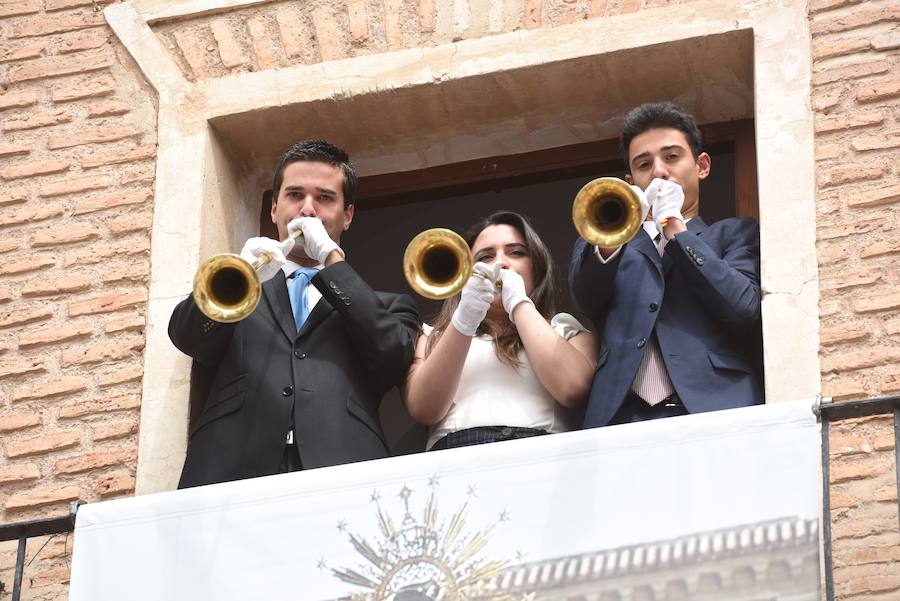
[[689, 250], [653, 307], [288, 391], [347, 302], [641, 342], [300, 355], [699, 261], [506, 432], [332, 285], [337, 291]]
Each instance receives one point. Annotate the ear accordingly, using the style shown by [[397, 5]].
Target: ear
[[274, 203], [704, 162], [629, 179], [348, 215]]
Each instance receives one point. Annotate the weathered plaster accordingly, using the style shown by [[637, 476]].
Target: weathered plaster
[[616, 51]]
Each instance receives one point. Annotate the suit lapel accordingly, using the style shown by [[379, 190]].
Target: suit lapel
[[276, 295], [322, 310], [644, 244]]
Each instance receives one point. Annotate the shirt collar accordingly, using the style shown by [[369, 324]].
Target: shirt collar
[[650, 227], [290, 267]]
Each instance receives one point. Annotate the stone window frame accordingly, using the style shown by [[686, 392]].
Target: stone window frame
[[189, 159]]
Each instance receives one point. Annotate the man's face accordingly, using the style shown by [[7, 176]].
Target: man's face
[[312, 189], [666, 154]]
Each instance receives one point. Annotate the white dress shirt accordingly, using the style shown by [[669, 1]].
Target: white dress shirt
[[492, 393]]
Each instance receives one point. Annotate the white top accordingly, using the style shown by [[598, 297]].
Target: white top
[[492, 393]]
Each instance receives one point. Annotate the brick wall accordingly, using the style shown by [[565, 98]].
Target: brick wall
[[76, 185], [77, 156], [856, 98]]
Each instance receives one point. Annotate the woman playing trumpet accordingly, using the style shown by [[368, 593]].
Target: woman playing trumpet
[[495, 366]]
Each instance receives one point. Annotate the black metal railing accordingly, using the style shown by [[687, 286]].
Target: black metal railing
[[32, 529], [828, 412]]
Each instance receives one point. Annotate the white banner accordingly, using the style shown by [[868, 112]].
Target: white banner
[[720, 505]]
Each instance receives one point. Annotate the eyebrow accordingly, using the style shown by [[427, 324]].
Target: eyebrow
[[646, 153], [294, 187]]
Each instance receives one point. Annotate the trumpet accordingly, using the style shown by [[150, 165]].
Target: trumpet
[[607, 212], [227, 287], [437, 263]]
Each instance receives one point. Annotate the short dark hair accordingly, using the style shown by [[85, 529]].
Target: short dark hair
[[654, 115], [318, 151]]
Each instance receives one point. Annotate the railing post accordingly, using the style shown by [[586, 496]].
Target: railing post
[[20, 567]]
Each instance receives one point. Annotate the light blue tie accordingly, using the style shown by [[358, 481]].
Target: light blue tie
[[297, 291]]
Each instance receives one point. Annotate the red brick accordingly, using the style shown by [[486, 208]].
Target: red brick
[[45, 443], [193, 49], [886, 41], [13, 196], [823, 102], [26, 264], [850, 279], [132, 322], [359, 20], [328, 33], [842, 471], [22, 315], [393, 24], [820, 5], [91, 135], [260, 41], [33, 169], [890, 384], [36, 120], [87, 88], [47, 24], [869, 357], [831, 255], [109, 201], [101, 252], [876, 142], [21, 367], [829, 308], [229, 50], [853, 20], [878, 90], [114, 157], [79, 409], [55, 387], [131, 174], [23, 52], [72, 185], [852, 71], [13, 8], [131, 373], [843, 333], [19, 472], [839, 47], [54, 576], [121, 483], [53, 66], [41, 497], [64, 234], [107, 303], [427, 16], [884, 247], [14, 100], [849, 173], [532, 18], [88, 40], [876, 583], [130, 223], [5, 295], [68, 283], [841, 500], [293, 33], [52, 5], [8, 149], [55, 334], [116, 348], [843, 122], [108, 108], [874, 197], [127, 272], [19, 421], [94, 460]]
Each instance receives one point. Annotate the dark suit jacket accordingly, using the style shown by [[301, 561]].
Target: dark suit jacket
[[703, 298], [355, 345]]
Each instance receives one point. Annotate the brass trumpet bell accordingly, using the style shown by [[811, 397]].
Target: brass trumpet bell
[[607, 212], [226, 288], [437, 263]]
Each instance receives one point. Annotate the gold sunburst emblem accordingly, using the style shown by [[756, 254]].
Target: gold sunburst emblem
[[425, 559]]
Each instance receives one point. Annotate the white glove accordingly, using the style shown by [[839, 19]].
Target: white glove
[[667, 198], [316, 242], [476, 299], [513, 291], [257, 248]]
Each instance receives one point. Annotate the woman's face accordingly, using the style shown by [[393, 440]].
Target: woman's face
[[504, 244]]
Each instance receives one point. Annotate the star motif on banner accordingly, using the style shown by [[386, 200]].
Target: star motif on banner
[[472, 491], [376, 496], [434, 481], [341, 525], [521, 556], [321, 565], [405, 492], [504, 516]]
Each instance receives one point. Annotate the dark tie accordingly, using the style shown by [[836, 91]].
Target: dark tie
[[298, 285]]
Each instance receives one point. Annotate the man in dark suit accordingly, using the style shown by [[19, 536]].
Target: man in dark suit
[[679, 304], [297, 384]]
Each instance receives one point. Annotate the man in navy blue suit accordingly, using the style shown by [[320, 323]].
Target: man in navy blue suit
[[678, 305]]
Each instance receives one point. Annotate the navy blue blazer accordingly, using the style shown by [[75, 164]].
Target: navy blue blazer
[[703, 298]]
